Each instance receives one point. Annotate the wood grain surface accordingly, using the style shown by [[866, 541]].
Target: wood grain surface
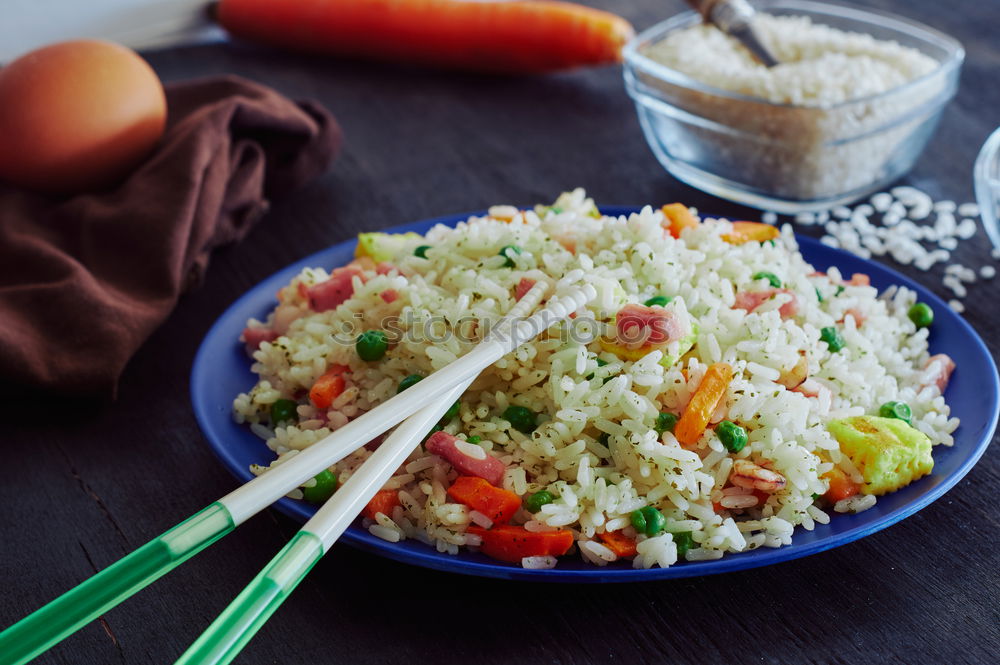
[[83, 485]]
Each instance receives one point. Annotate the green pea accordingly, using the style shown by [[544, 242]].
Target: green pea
[[452, 411], [898, 410], [407, 382], [475, 438], [421, 251], [326, 485], [662, 301], [648, 520], [732, 436], [819, 296], [372, 345], [520, 418], [832, 338], [284, 411], [684, 542], [770, 277], [638, 521], [537, 500], [921, 314], [665, 422], [505, 253]]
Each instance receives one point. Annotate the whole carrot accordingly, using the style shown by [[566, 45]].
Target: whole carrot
[[527, 36]]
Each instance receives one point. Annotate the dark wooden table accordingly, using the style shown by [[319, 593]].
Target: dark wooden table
[[78, 493]]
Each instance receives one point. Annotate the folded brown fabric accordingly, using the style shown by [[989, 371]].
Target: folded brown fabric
[[85, 280]]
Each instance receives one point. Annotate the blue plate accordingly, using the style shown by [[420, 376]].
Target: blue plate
[[221, 371]]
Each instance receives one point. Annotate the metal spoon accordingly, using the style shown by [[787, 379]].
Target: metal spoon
[[735, 17]]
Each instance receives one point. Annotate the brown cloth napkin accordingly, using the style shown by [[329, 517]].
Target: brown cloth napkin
[[85, 280]]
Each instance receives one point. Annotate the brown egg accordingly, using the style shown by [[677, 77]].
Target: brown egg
[[77, 116]]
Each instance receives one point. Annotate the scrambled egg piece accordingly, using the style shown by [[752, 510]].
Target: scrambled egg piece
[[383, 246], [684, 345], [889, 453]]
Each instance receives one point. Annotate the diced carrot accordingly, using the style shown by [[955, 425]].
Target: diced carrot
[[841, 485], [706, 398], [750, 232], [859, 279], [328, 387], [522, 36], [512, 543], [618, 543], [679, 216], [383, 502], [496, 503]]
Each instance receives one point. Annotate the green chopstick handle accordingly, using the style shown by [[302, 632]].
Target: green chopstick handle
[[239, 622], [46, 626]]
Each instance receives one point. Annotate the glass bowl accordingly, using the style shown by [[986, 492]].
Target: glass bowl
[[987, 179], [785, 157]]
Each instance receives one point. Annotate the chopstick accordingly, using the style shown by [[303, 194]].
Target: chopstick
[[64, 615], [240, 621]]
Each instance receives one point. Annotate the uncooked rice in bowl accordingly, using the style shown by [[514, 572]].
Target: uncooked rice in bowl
[[816, 126]]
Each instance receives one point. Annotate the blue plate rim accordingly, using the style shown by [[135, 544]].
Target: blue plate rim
[[418, 554]]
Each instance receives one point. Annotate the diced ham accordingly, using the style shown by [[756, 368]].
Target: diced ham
[[253, 337], [284, 314], [751, 300], [939, 368], [376, 442], [331, 293], [389, 295], [859, 317], [638, 325], [523, 287], [487, 467], [384, 268]]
